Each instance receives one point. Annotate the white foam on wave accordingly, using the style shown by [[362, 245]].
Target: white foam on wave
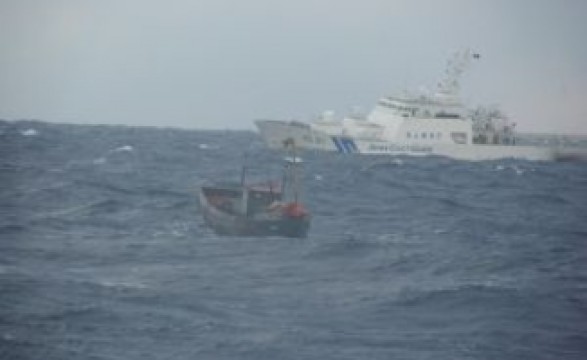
[[204, 146], [517, 170], [176, 229], [167, 234], [123, 148], [397, 161], [122, 284], [100, 161], [29, 132]]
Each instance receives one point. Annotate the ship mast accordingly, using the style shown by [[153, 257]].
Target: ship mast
[[449, 85]]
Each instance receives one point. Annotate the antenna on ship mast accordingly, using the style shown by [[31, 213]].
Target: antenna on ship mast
[[457, 64]]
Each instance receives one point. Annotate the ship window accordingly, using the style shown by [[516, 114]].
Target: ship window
[[459, 137], [409, 135], [423, 135], [431, 135], [443, 115]]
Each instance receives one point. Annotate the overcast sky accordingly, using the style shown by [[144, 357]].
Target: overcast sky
[[222, 64]]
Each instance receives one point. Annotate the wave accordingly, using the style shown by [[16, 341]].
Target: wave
[[458, 296], [122, 284], [429, 251], [12, 229], [73, 311], [120, 188], [348, 244], [29, 132], [125, 148], [541, 199]]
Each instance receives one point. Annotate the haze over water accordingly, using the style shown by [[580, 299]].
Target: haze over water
[[222, 64]]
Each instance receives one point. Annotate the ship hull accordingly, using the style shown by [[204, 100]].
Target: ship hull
[[277, 134], [469, 152]]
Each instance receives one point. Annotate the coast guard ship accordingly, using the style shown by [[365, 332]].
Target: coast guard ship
[[437, 124]]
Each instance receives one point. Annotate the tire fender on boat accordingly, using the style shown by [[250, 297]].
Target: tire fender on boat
[[295, 210]]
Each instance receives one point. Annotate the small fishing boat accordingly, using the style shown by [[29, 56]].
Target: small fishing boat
[[239, 209]]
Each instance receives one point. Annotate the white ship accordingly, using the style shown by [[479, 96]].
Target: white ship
[[415, 125], [322, 133]]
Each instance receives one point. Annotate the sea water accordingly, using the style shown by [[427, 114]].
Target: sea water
[[104, 253]]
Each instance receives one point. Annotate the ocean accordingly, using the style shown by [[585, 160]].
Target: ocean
[[104, 253]]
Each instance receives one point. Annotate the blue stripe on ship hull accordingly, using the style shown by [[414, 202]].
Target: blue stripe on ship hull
[[349, 145], [345, 145], [338, 144]]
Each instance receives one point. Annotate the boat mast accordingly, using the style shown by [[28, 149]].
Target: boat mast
[[295, 173], [245, 192], [244, 172], [290, 175]]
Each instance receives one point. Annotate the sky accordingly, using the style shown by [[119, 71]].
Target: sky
[[220, 64]]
